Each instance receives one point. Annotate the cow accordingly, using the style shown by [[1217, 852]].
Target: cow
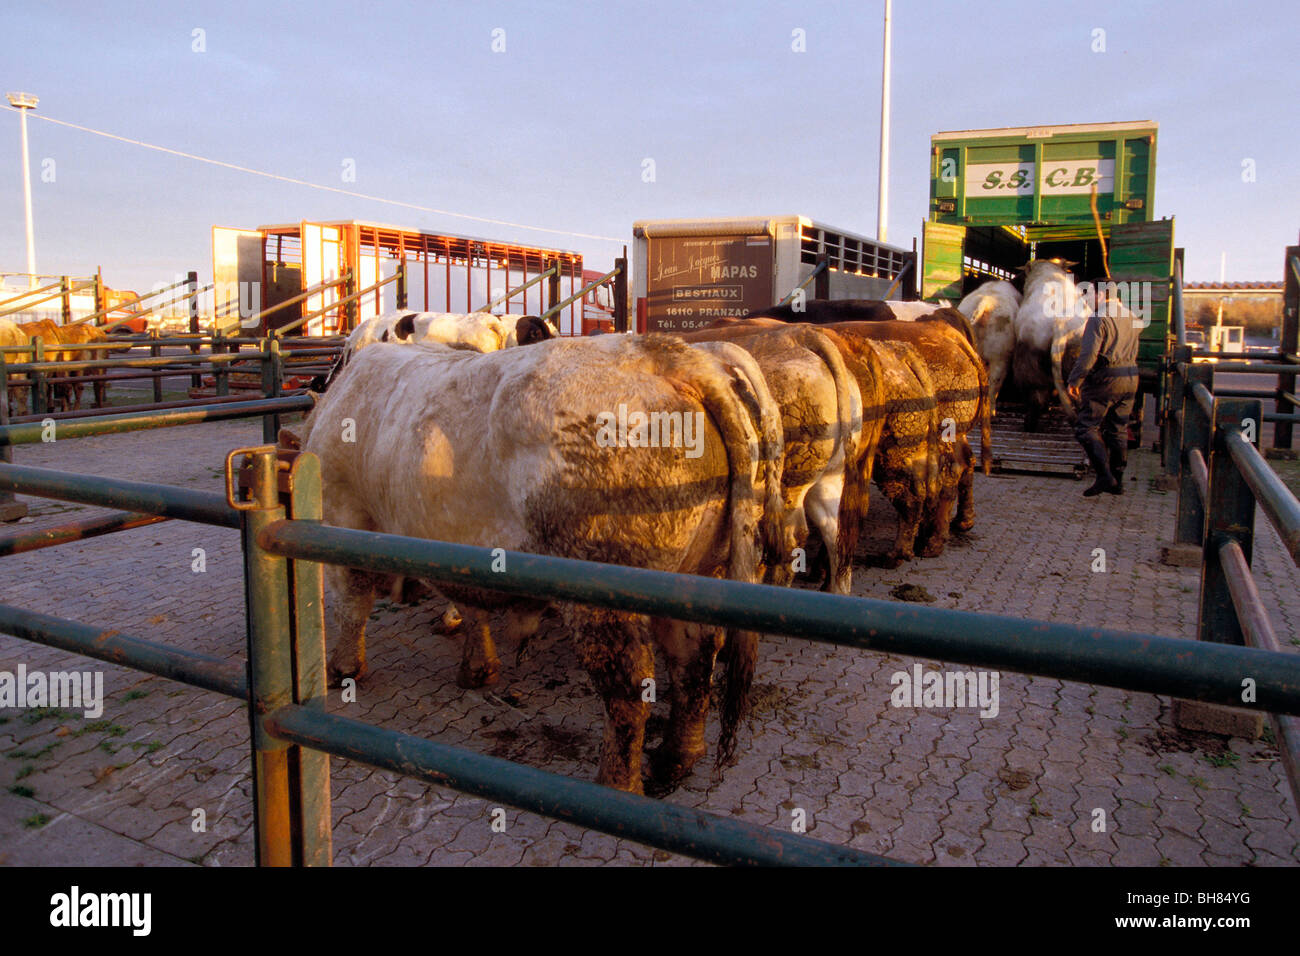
[[830, 311], [81, 333], [992, 309], [898, 400], [1048, 325], [821, 413], [961, 400], [480, 331], [49, 334], [551, 450]]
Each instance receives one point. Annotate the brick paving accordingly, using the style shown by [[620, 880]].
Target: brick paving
[[1066, 773]]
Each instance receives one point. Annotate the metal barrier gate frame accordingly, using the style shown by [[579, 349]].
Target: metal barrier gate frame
[[285, 545]]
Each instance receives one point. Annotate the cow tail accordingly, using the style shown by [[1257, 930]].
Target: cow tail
[[1059, 337], [850, 429], [984, 411], [750, 524]]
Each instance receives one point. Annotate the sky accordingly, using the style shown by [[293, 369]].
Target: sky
[[555, 129]]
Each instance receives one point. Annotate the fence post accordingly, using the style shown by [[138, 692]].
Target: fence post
[[155, 351], [220, 370], [309, 770], [1289, 341], [270, 653], [11, 509], [192, 289], [37, 379], [553, 289], [1189, 527], [822, 284], [1171, 438], [272, 376], [349, 316], [1230, 515], [101, 300], [65, 297], [401, 284], [620, 294]]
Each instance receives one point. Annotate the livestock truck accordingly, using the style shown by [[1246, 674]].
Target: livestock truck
[[1000, 197], [690, 272]]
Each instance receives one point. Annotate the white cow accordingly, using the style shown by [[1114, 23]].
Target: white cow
[[992, 310], [1049, 322], [631, 450], [480, 331]]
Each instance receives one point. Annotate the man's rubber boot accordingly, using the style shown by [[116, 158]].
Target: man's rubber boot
[[1117, 463], [1094, 448]]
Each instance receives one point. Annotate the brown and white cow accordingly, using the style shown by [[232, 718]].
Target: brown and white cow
[[821, 413], [549, 450], [960, 390], [992, 309]]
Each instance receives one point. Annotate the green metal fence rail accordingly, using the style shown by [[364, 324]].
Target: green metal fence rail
[[33, 432], [285, 546], [1222, 478]]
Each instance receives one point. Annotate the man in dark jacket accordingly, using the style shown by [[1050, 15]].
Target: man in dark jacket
[[1103, 386]]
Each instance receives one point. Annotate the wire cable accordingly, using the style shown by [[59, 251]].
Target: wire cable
[[302, 182]]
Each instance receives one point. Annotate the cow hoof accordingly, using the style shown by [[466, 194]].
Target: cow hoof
[[933, 549], [337, 675], [670, 766], [473, 678], [451, 620]]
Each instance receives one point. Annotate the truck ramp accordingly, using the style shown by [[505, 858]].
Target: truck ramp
[[1051, 450]]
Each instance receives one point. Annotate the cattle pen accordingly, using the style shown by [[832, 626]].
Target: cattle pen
[[281, 677]]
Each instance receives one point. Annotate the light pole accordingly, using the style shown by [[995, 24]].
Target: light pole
[[882, 207], [24, 102]]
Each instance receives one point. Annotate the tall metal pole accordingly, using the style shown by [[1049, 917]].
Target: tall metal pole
[[24, 102], [882, 210]]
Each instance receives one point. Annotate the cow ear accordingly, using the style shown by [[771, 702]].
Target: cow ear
[[405, 326], [384, 337], [288, 440]]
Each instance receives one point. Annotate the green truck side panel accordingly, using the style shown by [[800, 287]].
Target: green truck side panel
[[1144, 252], [1131, 151], [943, 260]]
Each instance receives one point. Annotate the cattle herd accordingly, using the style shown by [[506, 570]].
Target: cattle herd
[[745, 450], [62, 396]]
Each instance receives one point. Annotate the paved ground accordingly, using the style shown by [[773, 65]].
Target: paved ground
[[925, 785]]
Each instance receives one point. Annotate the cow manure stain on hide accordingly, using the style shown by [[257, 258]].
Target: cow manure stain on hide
[[1015, 779], [912, 592]]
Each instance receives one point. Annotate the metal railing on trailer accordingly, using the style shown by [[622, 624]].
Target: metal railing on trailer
[[284, 545], [555, 305]]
